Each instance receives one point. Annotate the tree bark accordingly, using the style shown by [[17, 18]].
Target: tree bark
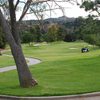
[[25, 77], [14, 26], [24, 74]]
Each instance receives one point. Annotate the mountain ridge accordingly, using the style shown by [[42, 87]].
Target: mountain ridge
[[61, 20]]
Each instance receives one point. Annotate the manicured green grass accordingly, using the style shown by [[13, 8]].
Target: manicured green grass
[[64, 70], [6, 61]]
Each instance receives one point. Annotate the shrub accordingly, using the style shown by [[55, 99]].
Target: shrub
[[26, 37], [70, 38]]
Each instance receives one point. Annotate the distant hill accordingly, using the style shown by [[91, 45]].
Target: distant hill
[[60, 20]]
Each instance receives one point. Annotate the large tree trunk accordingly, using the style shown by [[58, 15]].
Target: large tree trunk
[[25, 77]]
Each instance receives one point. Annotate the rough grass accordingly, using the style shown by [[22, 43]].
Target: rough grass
[[62, 71]]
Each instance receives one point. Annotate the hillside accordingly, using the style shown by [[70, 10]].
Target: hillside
[[61, 20]]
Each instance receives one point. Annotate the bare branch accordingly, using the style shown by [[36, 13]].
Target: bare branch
[[49, 8], [36, 15], [59, 7], [25, 9], [27, 6], [36, 2], [39, 1], [16, 4]]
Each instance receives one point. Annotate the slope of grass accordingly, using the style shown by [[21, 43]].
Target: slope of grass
[[64, 70]]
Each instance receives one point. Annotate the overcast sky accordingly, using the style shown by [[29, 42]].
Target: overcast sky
[[71, 10]]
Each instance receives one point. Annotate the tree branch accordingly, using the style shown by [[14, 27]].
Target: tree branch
[[25, 9], [36, 2], [16, 4]]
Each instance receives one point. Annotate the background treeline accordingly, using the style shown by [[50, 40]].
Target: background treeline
[[59, 29], [62, 29], [88, 30]]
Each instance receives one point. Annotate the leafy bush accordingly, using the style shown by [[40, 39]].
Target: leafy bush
[[26, 37], [54, 33], [36, 32], [70, 38]]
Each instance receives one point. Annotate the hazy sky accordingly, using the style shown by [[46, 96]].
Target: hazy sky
[[71, 10]]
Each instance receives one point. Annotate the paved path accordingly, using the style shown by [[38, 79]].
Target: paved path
[[31, 61], [88, 96]]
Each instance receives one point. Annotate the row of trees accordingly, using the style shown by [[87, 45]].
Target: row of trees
[[53, 32], [81, 29], [90, 31]]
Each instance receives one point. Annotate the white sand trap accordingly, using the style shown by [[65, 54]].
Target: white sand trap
[[36, 45], [73, 48], [90, 45], [44, 44]]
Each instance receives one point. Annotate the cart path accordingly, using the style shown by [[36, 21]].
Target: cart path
[[31, 61], [87, 96]]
